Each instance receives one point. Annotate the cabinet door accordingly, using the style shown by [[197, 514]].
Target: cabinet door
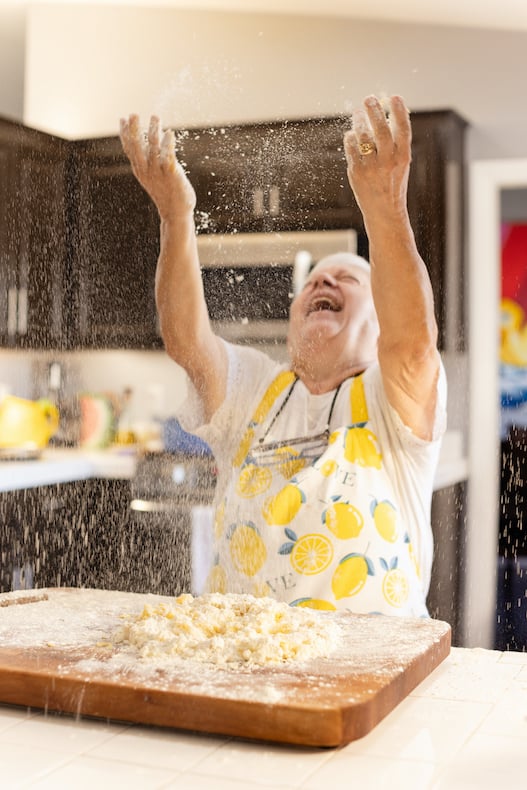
[[17, 541], [273, 176], [78, 529], [307, 184], [224, 166], [8, 220], [33, 245], [115, 248], [435, 203], [42, 253]]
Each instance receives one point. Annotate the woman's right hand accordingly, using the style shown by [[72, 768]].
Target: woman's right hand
[[155, 166]]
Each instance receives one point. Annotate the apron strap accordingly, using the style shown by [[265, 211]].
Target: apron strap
[[275, 388], [359, 409]]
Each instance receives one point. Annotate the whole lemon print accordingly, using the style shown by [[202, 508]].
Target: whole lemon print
[[314, 603], [282, 508], [413, 557], [361, 447], [343, 520], [253, 480], [219, 520], [385, 519], [328, 468], [248, 552], [351, 574]]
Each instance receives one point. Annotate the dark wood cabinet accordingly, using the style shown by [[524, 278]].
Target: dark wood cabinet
[[79, 238], [446, 585], [115, 246], [292, 176], [33, 238], [68, 534], [270, 177]]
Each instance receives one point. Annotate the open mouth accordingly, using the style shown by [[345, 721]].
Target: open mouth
[[323, 303]]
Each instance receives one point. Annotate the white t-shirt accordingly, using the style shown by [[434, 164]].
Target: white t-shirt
[[410, 461]]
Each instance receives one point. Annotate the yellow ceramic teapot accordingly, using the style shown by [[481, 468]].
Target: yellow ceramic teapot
[[25, 423]]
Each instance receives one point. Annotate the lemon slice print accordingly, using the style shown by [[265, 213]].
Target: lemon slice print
[[282, 508], [289, 461], [310, 554], [345, 521], [385, 519], [253, 480], [248, 551], [395, 585], [351, 575], [216, 580]]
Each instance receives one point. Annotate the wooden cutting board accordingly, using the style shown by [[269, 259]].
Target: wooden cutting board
[[54, 655]]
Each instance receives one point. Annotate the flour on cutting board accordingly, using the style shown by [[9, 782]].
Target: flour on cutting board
[[235, 646]]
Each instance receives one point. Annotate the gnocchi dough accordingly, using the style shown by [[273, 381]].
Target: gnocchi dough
[[229, 630]]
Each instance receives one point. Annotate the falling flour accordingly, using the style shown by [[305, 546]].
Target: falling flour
[[227, 630]]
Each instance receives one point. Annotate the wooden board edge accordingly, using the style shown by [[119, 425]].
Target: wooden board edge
[[175, 710]]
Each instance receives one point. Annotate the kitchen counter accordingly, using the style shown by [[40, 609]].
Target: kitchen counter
[[68, 465], [465, 726]]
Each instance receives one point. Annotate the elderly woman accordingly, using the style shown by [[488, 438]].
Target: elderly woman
[[326, 464]]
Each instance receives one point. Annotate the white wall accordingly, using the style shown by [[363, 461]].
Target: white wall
[[12, 59], [88, 65]]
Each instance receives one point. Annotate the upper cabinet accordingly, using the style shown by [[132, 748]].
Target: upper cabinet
[[292, 176], [115, 246], [269, 177], [79, 238], [34, 256]]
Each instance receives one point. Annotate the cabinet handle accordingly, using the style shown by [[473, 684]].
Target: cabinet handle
[[274, 201], [22, 311], [258, 203], [12, 309]]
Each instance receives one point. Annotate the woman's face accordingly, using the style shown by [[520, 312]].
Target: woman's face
[[334, 313]]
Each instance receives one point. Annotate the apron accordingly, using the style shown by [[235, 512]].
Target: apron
[[314, 521]]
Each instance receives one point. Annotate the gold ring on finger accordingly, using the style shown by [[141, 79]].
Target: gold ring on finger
[[367, 148]]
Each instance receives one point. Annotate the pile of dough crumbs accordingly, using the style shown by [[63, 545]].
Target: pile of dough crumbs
[[229, 630]]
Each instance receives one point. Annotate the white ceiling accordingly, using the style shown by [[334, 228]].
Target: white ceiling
[[504, 14]]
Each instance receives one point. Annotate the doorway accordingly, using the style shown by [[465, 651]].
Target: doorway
[[489, 183]]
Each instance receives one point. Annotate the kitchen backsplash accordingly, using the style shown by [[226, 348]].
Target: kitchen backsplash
[[158, 385]]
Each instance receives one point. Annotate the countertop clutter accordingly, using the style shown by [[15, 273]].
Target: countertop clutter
[[119, 462], [463, 727]]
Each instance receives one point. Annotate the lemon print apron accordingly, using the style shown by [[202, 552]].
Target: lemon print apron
[[314, 521]]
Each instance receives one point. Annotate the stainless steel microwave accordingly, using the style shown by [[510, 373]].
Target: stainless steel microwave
[[249, 279]]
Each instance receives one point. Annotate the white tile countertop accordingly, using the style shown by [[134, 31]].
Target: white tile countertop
[[463, 727], [68, 465]]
